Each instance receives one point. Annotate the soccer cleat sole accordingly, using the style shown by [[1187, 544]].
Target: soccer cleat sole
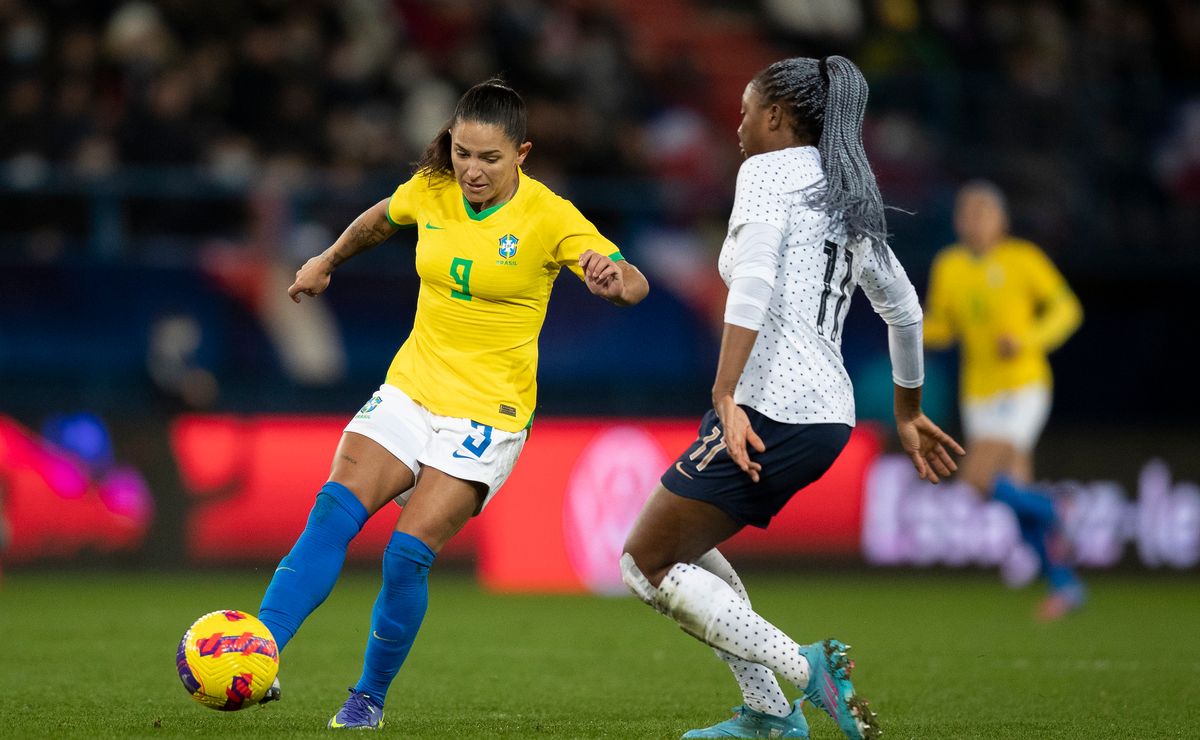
[[839, 664]]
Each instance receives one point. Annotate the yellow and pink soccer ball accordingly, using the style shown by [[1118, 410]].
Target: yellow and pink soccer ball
[[227, 660]]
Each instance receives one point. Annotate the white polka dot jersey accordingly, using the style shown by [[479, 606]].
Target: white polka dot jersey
[[795, 372]]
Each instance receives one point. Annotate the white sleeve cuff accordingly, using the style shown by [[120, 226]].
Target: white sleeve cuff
[[908, 357], [752, 278], [747, 303]]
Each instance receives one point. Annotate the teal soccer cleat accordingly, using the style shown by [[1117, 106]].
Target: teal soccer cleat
[[358, 713], [829, 688], [747, 722]]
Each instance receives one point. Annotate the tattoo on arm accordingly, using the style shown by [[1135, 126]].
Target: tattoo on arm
[[362, 234], [349, 459]]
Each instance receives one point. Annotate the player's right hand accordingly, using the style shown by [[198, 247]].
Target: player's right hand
[[739, 434], [312, 278]]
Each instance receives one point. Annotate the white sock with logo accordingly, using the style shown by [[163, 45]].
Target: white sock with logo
[[708, 608], [760, 689]]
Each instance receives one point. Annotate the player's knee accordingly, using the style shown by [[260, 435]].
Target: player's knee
[[637, 581], [978, 476]]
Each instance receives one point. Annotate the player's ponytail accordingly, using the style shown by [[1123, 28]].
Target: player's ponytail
[[850, 187], [435, 162], [827, 99], [491, 101]]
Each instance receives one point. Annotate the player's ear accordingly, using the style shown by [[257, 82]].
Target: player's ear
[[523, 151], [774, 116]]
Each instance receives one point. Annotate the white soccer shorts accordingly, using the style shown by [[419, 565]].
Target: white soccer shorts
[[459, 447], [1017, 416]]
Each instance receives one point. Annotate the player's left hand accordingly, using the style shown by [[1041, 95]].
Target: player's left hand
[[601, 275], [928, 447], [1007, 347]]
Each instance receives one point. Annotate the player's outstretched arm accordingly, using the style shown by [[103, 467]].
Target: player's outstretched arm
[[369, 229], [925, 443], [617, 282]]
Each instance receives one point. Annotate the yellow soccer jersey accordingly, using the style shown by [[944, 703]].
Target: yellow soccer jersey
[[1013, 290], [485, 283]]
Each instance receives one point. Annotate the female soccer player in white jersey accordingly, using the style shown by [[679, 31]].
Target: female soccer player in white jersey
[[807, 227], [443, 432]]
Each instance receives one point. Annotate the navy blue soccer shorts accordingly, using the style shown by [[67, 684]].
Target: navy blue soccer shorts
[[796, 455]]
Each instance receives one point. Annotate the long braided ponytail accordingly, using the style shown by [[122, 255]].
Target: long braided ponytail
[[827, 99]]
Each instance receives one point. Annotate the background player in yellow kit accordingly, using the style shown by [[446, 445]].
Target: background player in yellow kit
[[1007, 306], [443, 432]]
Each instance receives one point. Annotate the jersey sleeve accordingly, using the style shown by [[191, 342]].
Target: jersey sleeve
[[888, 288], [759, 196], [402, 207], [1060, 312], [939, 319], [576, 235]]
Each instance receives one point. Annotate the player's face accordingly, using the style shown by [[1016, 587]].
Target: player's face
[[979, 219], [485, 162], [753, 132]]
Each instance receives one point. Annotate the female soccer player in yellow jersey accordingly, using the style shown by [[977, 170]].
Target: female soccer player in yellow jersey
[[1007, 306], [443, 432], [807, 229]]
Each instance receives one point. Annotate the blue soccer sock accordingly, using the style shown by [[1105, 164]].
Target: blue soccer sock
[[1028, 504], [1037, 521], [398, 612], [306, 575]]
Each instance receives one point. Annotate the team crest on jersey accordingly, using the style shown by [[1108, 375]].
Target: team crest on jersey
[[365, 411], [508, 246]]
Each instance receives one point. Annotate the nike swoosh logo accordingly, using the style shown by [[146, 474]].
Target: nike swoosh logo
[[679, 467], [284, 567], [434, 228], [377, 636], [465, 457]]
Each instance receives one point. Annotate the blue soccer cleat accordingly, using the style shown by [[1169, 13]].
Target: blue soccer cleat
[[358, 713], [829, 688], [747, 722]]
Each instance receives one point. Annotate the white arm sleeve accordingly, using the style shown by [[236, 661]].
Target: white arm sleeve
[[890, 291], [755, 261], [895, 300], [908, 356]]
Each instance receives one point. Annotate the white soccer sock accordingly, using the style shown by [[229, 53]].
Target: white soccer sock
[[760, 689], [707, 608]]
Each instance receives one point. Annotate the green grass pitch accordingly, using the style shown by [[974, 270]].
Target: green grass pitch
[[92, 655]]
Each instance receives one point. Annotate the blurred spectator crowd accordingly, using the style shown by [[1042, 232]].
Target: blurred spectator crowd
[[1089, 112], [233, 138]]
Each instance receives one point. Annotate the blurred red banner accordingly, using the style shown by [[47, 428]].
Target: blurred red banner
[[558, 524], [253, 480], [55, 507]]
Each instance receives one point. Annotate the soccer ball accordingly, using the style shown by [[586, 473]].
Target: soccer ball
[[227, 660]]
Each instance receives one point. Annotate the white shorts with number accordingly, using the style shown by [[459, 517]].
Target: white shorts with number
[[1015, 416], [459, 447]]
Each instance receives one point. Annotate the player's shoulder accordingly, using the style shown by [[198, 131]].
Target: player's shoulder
[[951, 255], [548, 207], [539, 194], [1023, 250], [783, 170], [429, 184]]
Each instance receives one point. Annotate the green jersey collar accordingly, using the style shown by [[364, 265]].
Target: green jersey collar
[[481, 215]]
